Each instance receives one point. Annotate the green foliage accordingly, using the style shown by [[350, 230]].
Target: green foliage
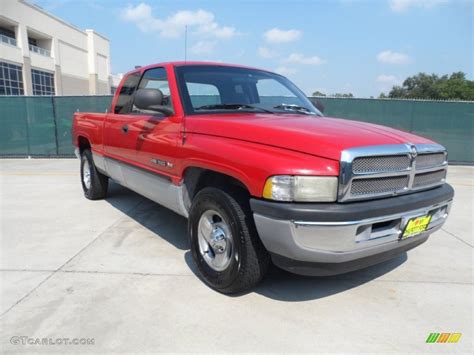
[[319, 93], [425, 86], [342, 95]]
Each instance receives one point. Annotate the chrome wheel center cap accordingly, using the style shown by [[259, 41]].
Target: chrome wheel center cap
[[215, 240], [87, 175], [218, 240]]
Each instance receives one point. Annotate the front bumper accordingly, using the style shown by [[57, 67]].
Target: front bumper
[[332, 238]]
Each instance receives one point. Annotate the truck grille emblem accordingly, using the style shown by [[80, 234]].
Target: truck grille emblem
[[413, 152]]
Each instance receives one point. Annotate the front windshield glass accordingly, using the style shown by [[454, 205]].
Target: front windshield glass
[[207, 89]]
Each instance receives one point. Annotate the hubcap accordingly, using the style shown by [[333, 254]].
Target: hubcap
[[215, 240], [86, 175]]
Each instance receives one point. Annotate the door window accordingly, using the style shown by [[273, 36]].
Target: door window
[[156, 78]]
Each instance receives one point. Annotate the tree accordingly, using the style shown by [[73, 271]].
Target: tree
[[425, 86], [319, 93], [342, 95]]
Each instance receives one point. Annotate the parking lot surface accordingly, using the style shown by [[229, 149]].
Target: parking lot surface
[[119, 271]]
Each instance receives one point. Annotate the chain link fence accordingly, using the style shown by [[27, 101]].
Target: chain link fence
[[40, 126]]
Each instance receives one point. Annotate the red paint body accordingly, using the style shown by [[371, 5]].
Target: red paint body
[[247, 146]]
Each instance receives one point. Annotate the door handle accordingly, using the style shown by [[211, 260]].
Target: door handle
[[125, 128]]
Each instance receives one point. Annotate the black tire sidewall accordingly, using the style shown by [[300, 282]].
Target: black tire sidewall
[[213, 200], [87, 156]]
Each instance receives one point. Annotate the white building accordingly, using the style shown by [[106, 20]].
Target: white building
[[115, 81], [41, 54]]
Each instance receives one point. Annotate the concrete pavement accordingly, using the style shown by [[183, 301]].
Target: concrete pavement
[[119, 271]]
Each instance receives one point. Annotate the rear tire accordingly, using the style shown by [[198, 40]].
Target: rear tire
[[224, 242], [94, 183]]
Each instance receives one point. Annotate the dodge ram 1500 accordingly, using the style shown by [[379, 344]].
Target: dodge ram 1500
[[261, 174]]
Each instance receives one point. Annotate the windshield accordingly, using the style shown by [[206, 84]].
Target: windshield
[[216, 89]]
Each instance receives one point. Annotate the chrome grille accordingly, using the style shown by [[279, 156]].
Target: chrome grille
[[377, 171], [430, 178], [430, 160], [380, 163], [379, 185]]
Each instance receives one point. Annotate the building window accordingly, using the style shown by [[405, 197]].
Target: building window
[[32, 41], [7, 36], [43, 82], [11, 79], [36, 48], [6, 32]]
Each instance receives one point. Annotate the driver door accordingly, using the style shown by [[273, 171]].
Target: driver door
[[156, 135]]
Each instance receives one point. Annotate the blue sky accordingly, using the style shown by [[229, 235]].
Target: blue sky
[[362, 47]]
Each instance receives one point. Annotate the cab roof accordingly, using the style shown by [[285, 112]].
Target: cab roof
[[191, 63]]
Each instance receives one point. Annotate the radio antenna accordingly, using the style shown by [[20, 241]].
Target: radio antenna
[[185, 43]]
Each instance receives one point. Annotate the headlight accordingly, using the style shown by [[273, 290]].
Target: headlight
[[301, 188]]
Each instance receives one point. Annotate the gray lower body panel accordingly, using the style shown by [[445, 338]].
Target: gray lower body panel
[[153, 186]]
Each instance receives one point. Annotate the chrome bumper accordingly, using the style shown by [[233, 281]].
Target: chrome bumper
[[339, 242]]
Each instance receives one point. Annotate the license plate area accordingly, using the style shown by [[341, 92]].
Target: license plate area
[[415, 226]]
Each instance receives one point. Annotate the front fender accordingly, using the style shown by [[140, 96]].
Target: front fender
[[250, 163]]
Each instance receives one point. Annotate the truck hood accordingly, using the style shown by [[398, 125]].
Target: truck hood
[[321, 136]]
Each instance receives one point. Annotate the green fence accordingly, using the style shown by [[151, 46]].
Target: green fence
[[449, 123], [41, 126]]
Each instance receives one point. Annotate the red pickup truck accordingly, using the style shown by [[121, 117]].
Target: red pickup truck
[[261, 174]]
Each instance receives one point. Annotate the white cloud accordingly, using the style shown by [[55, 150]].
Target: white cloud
[[266, 53], [275, 35], [283, 70], [201, 21], [297, 58], [391, 57], [203, 47], [387, 79], [403, 5], [215, 30], [137, 13]]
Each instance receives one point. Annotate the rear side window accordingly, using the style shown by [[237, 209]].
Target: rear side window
[[124, 102]]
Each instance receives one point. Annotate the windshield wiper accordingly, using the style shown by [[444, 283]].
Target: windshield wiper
[[295, 108], [232, 107]]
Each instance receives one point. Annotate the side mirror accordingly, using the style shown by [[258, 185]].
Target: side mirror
[[318, 104], [151, 99]]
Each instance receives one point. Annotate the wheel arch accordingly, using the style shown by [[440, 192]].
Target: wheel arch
[[83, 143], [196, 178]]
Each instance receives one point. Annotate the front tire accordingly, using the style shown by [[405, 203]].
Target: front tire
[[224, 242], [94, 183]]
